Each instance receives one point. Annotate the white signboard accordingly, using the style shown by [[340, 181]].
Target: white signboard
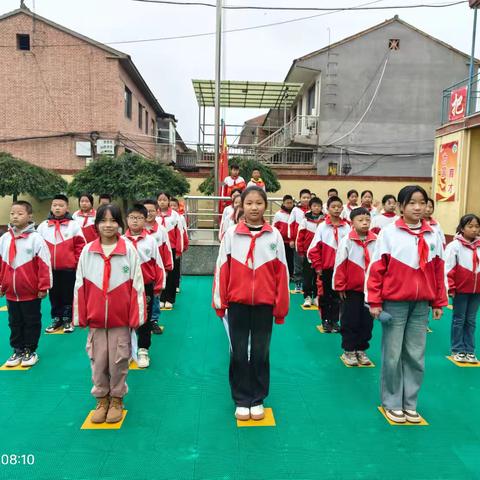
[[105, 147], [83, 149]]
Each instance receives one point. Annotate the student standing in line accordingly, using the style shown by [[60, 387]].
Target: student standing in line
[[352, 204], [85, 217], [387, 216], [366, 200], [280, 221], [256, 180], [433, 223]]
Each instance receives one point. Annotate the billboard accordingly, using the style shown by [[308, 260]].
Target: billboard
[[447, 172]]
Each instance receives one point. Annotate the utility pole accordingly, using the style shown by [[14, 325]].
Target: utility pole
[[218, 70]]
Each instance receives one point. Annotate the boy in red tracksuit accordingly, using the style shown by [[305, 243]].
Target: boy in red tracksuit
[[65, 241], [306, 232], [25, 278], [351, 262], [280, 221], [233, 181], [109, 299], [256, 180], [153, 274], [322, 253]]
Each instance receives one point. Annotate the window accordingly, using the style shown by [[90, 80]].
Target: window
[[153, 128], [146, 122], [128, 103], [140, 115], [394, 44], [23, 41], [311, 100]]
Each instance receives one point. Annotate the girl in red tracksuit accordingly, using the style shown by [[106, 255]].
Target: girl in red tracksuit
[[306, 232], [387, 216], [405, 278], [280, 221], [251, 281], [462, 262], [85, 217], [321, 253], [109, 299]]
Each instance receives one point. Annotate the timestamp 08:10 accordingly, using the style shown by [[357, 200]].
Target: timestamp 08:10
[[13, 459]]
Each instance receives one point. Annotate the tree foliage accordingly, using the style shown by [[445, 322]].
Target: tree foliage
[[246, 166]]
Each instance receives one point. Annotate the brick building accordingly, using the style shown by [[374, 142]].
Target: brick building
[[62, 94]]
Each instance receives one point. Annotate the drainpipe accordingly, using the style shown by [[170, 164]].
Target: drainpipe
[[472, 61]]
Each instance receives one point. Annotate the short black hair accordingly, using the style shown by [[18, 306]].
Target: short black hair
[[114, 210], [388, 197], [465, 220], [137, 208], [61, 196], [259, 190], [164, 193], [304, 190], [26, 205], [105, 196], [432, 201], [330, 190], [287, 197], [315, 200], [359, 211], [173, 199], [350, 192], [333, 199], [236, 190], [150, 201], [407, 192], [256, 169], [234, 166], [366, 191], [87, 195]]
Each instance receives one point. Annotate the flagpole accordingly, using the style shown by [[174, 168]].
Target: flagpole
[[218, 61]]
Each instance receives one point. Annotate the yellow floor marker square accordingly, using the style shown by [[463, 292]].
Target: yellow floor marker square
[[58, 331], [19, 367], [268, 421], [4, 309], [134, 366], [89, 425], [372, 365], [320, 329], [296, 292], [163, 309], [463, 364], [423, 423], [313, 307]]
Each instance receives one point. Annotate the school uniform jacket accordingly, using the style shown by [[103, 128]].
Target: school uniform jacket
[[296, 216], [382, 220], [25, 268], [252, 269], [323, 248], [65, 241], [347, 210], [170, 220], [438, 230], [226, 224], [150, 261], [462, 264], [185, 239], [109, 292], [161, 236], [280, 222], [306, 232], [407, 266], [86, 222], [257, 183], [230, 184], [351, 261]]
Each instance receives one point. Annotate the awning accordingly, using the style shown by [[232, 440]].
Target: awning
[[243, 94]]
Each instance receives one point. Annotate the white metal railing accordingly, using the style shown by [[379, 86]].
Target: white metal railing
[[306, 125]]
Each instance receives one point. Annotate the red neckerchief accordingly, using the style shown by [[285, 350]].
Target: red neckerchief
[[371, 237], [432, 222], [244, 230], [258, 182], [328, 221], [472, 246], [168, 213], [152, 228], [134, 240], [12, 251], [422, 244], [304, 209], [351, 207], [86, 216], [389, 214], [56, 223]]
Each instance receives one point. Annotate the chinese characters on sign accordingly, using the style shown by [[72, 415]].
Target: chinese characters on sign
[[447, 172], [458, 104]]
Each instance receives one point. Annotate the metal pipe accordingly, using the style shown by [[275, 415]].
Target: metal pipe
[[218, 74], [472, 61]]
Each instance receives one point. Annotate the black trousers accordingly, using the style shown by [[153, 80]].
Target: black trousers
[[309, 279], [170, 292], [356, 322], [330, 300], [250, 379], [179, 273], [289, 255], [61, 293], [25, 322], [144, 333]]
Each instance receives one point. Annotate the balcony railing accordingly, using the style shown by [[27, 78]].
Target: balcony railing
[[469, 107]]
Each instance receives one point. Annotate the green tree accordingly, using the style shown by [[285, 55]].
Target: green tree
[[246, 166], [129, 177], [22, 178]]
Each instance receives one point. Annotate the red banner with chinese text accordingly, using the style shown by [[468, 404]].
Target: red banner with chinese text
[[458, 104], [447, 172]]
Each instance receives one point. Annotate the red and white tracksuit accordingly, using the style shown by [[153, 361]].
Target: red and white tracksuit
[[306, 232], [351, 261], [160, 234], [323, 248], [382, 220], [252, 270], [257, 183], [86, 222], [65, 241], [462, 264], [280, 222], [438, 230], [186, 240], [231, 183], [25, 268], [296, 216], [150, 261], [227, 222], [347, 210], [407, 265], [170, 220]]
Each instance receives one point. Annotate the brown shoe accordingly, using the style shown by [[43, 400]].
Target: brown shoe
[[115, 412], [100, 413]]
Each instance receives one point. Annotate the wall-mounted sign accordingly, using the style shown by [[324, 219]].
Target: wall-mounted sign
[[105, 147], [458, 104], [447, 172]]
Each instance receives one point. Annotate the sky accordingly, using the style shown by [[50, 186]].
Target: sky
[[263, 54]]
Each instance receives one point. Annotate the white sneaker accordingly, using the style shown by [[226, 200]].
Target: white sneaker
[[307, 302], [257, 412], [168, 305], [29, 358], [471, 358], [162, 304], [350, 358], [412, 416], [459, 357], [15, 360], [396, 416], [178, 290], [363, 358], [315, 301], [242, 413], [143, 360]]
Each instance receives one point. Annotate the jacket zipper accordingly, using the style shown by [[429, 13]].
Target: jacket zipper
[[15, 284], [106, 310], [416, 279]]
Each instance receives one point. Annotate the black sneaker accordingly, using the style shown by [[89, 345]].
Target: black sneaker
[[15, 360], [327, 327], [156, 328], [335, 327], [67, 326], [57, 323], [29, 358]]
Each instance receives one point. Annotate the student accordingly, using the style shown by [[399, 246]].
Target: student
[[306, 232], [104, 199], [366, 200], [256, 180], [232, 218], [85, 217], [462, 263], [432, 222], [280, 221], [332, 192], [352, 204], [254, 289], [109, 299], [170, 219], [228, 210], [160, 234], [152, 271], [175, 205], [65, 241], [25, 278], [387, 216], [233, 181], [406, 276], [321, 253], [296, 216], [351, 262]]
